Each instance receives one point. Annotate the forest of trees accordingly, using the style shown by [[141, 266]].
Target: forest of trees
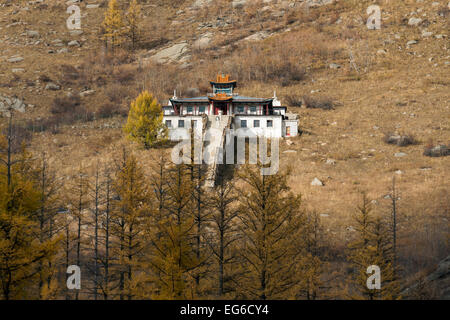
[[160, 234]]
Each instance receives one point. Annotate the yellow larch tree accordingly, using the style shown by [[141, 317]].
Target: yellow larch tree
[[131, 208], [20, 200], [273, 236], [173, 259], [144, 124], [132, 17], [113, 25]]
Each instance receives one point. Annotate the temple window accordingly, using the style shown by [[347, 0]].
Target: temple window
[[269, 123], [256, 123], [180, 123], [168, 123], [189, 109], [243, 123], [201, 109]]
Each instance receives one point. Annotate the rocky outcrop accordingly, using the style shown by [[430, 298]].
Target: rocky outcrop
[[11, 103], [438, 279], [437, 151], [173, 53], [318, 3]]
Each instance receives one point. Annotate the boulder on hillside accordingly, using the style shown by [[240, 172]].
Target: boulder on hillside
[[173, 53], [13, 103], [414, 21], [437, 151], [437, 282]]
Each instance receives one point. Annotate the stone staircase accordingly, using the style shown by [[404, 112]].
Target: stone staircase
[[214, 147]]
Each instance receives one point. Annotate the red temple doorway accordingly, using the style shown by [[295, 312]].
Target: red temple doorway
[[220, 108]]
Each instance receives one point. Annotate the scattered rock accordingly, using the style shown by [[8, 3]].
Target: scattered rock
[[289, 142], [437, 151], [400, 154], [172, 53], [204, 41], [316, 182], [331, 162], [411, 42], [414, 21], [15, 59], [200, 3], [73, 43], [92, 6], [75, 33], [18, 70], [290, 151], [257, 36], [278, 14], [399, 172], [350, 229], [87, 93], [32, 34], [335, 66], [400, 140], [318, 3], [13, 103], [238, 4], [52, 86]]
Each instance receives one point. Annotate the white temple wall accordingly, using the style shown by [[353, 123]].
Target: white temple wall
[[263, 130]]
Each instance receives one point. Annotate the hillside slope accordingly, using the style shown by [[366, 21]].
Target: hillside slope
[[393, 80]]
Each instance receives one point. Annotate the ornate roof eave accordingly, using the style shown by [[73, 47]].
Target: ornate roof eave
[[219, 97], [233, 83]]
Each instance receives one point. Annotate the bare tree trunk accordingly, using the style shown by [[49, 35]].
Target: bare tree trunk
[[107, 218], [80, 212], [96, 200], [67, 252], [394, 224]]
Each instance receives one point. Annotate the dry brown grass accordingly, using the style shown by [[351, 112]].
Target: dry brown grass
[[397, 91]]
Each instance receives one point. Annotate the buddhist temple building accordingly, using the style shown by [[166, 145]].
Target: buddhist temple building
[[263, 116]]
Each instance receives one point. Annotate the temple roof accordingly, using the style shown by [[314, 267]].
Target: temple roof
[[224, 81], [237, 98]]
